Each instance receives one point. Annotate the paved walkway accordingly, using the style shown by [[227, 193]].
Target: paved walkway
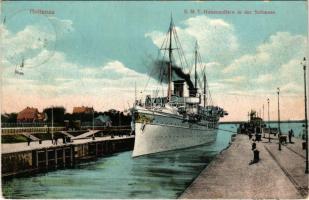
[[277, 175], [23, 146], [291, 159]]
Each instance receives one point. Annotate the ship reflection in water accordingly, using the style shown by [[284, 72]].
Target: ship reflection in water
[[163, 175]]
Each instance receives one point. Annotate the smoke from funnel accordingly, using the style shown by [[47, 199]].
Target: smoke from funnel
[[160, 72]]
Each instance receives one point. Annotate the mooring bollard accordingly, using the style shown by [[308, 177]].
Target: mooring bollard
[[256, 157], [304, 145]]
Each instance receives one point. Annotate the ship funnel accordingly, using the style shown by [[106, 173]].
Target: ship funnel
[[178, 88], [192, 92]]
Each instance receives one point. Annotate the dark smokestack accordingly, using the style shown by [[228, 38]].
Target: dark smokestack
[[192, 92], [178, 88], [183, 75]]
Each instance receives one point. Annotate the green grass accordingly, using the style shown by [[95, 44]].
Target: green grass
[[47, 136], [76, 133], [42, 136], [13, 139]]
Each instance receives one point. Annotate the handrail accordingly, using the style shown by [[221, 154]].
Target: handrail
[[20, 130]]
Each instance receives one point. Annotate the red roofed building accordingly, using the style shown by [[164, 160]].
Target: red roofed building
[[29, 115], [82, 109]]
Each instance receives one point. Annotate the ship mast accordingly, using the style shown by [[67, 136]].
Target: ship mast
[[52, 123], [170, 61], [204, 79], [22, 63], [195, 74]]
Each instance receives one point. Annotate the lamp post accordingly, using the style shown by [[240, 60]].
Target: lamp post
[[268, 120], [279, 131], [306, 119], [263, 121], [263, 111], [52, 123], [92, 118]]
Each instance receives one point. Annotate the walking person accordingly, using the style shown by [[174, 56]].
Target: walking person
[[257, 137], [291, 134], [253, 146], [256, 154], [250, 135], [28, 140], [256, 157]]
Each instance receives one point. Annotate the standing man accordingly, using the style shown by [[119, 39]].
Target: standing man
[[290, 135]]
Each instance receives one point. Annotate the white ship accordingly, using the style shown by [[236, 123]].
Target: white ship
[[175, 121]]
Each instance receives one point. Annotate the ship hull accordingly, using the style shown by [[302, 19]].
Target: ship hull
[[154, 138]]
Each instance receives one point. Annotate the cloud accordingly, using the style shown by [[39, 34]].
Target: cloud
[[212, 66], [235, 80], [276, 63], [264, 78], [239, 104], [67, 75], [113, 74], [55, 77], [291, 87], [216, 38], [272, 65], [61, 26], [32, 41], [281, 48], [53, 65], [116, 69], [292, 70], [157, 37], [28, 39], [59, 78], [217, 42]]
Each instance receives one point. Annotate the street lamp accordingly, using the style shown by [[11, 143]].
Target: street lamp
[[306, 119], [268, 120], [263, 120], [263, 111], [92, 118], [52, 124], [279, 131]]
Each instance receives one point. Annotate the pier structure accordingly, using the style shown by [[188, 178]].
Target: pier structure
[[41, 133], [278, 174], [46, 129], [21, 158]]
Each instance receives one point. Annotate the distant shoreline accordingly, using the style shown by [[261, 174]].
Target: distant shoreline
[[284, 121]]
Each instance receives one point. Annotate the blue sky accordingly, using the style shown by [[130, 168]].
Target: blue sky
[[102, 48]]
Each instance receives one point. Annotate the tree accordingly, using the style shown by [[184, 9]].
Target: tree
[[58, 113], [9, 118]]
